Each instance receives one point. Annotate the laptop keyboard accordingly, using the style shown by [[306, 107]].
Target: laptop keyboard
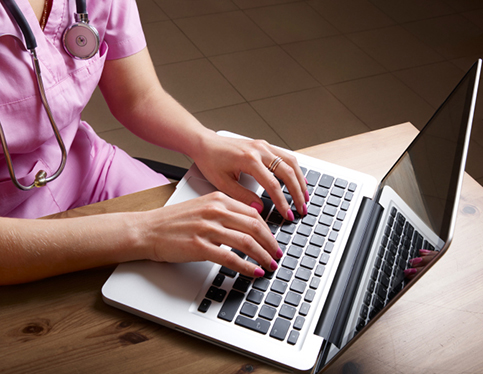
[[400, 243], [278, 303]]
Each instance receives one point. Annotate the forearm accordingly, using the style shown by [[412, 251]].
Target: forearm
[[36, 249], [140, 103]]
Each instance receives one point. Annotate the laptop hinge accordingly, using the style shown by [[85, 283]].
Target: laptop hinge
[[334, 316]]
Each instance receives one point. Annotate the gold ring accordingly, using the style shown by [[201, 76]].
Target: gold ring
[[273, 165]]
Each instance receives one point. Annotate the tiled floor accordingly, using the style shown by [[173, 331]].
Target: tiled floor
[[299, 73]]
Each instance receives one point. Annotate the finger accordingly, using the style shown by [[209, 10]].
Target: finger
[[411, 273], [420, 261], [242, 228], [288, 175], [232, 261], [242, 194]]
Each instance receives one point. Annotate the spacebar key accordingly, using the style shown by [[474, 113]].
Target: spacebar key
[[231, 305], [258, 325]]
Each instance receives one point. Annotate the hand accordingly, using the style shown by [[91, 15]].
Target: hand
[[418, 263], [194, 231], [223, 159]]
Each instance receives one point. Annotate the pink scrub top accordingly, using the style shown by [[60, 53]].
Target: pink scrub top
[[95, 170]]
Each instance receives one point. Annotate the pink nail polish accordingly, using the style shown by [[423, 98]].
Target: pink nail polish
[[410, 271], [307, 196], [257, 206], [259, 272], [304, 209], [424, 252], [279, 254], [415, 261], [290, 215], [306, 181], [273, 265]]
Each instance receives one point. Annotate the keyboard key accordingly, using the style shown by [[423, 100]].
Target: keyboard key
[[261, 284], [287, 311], [310, 295], [326, 220], [312, 177], [308, 262], [313, 210], [309, 220], [228, 272], [324, 259], [289, 262], [299, 323], [314, 283], [249, 310], [293, 337], [330, 210], [231, 305], [273, 299], [317, 200], [215, 294], [259, 325], [255, 296], [326, 181], [284, 274], [293, 298], [218, 281], [303, 274], [283, 238], [295, 251], [337, 191], [342, 183], [242, 284], [322, 229], [321, 192], [334, 201], [313, 251], [275, 217], [317, 240], [267, 312], [319, 270], [279, 286], [298, 286], [304, 230], [204, 306], [304, 309], [299, 240], [280, 329]]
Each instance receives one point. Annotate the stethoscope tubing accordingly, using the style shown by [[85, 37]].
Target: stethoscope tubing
[[41, 179]]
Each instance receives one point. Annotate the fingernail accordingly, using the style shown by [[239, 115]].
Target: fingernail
[[259, 272], [424, 252], [290, 215], [307, 196], [410, 271], [279, 254], [415, 261], [304, 209], [257, 206], [273, 265], [306, 181]]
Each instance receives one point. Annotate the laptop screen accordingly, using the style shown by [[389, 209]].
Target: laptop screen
[[426, 175]]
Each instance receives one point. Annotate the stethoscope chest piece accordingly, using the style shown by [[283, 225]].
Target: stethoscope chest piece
[[81, 40]]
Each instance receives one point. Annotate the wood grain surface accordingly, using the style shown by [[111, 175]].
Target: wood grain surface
[[62, 325]]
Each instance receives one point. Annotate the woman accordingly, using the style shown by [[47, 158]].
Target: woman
[[34, 249]]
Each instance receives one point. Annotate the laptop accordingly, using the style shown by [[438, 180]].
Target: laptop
[[343, 263]]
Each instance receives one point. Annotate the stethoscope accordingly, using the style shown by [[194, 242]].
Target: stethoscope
[[81, 41]]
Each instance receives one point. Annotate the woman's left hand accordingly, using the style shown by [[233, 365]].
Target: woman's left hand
[[223, 159]]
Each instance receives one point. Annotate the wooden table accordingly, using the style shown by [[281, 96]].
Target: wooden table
[[61, 324]]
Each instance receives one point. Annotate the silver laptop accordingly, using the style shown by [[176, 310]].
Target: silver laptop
[[343, 263]]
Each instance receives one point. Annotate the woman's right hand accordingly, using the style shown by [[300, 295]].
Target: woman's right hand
[[194, 231]]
